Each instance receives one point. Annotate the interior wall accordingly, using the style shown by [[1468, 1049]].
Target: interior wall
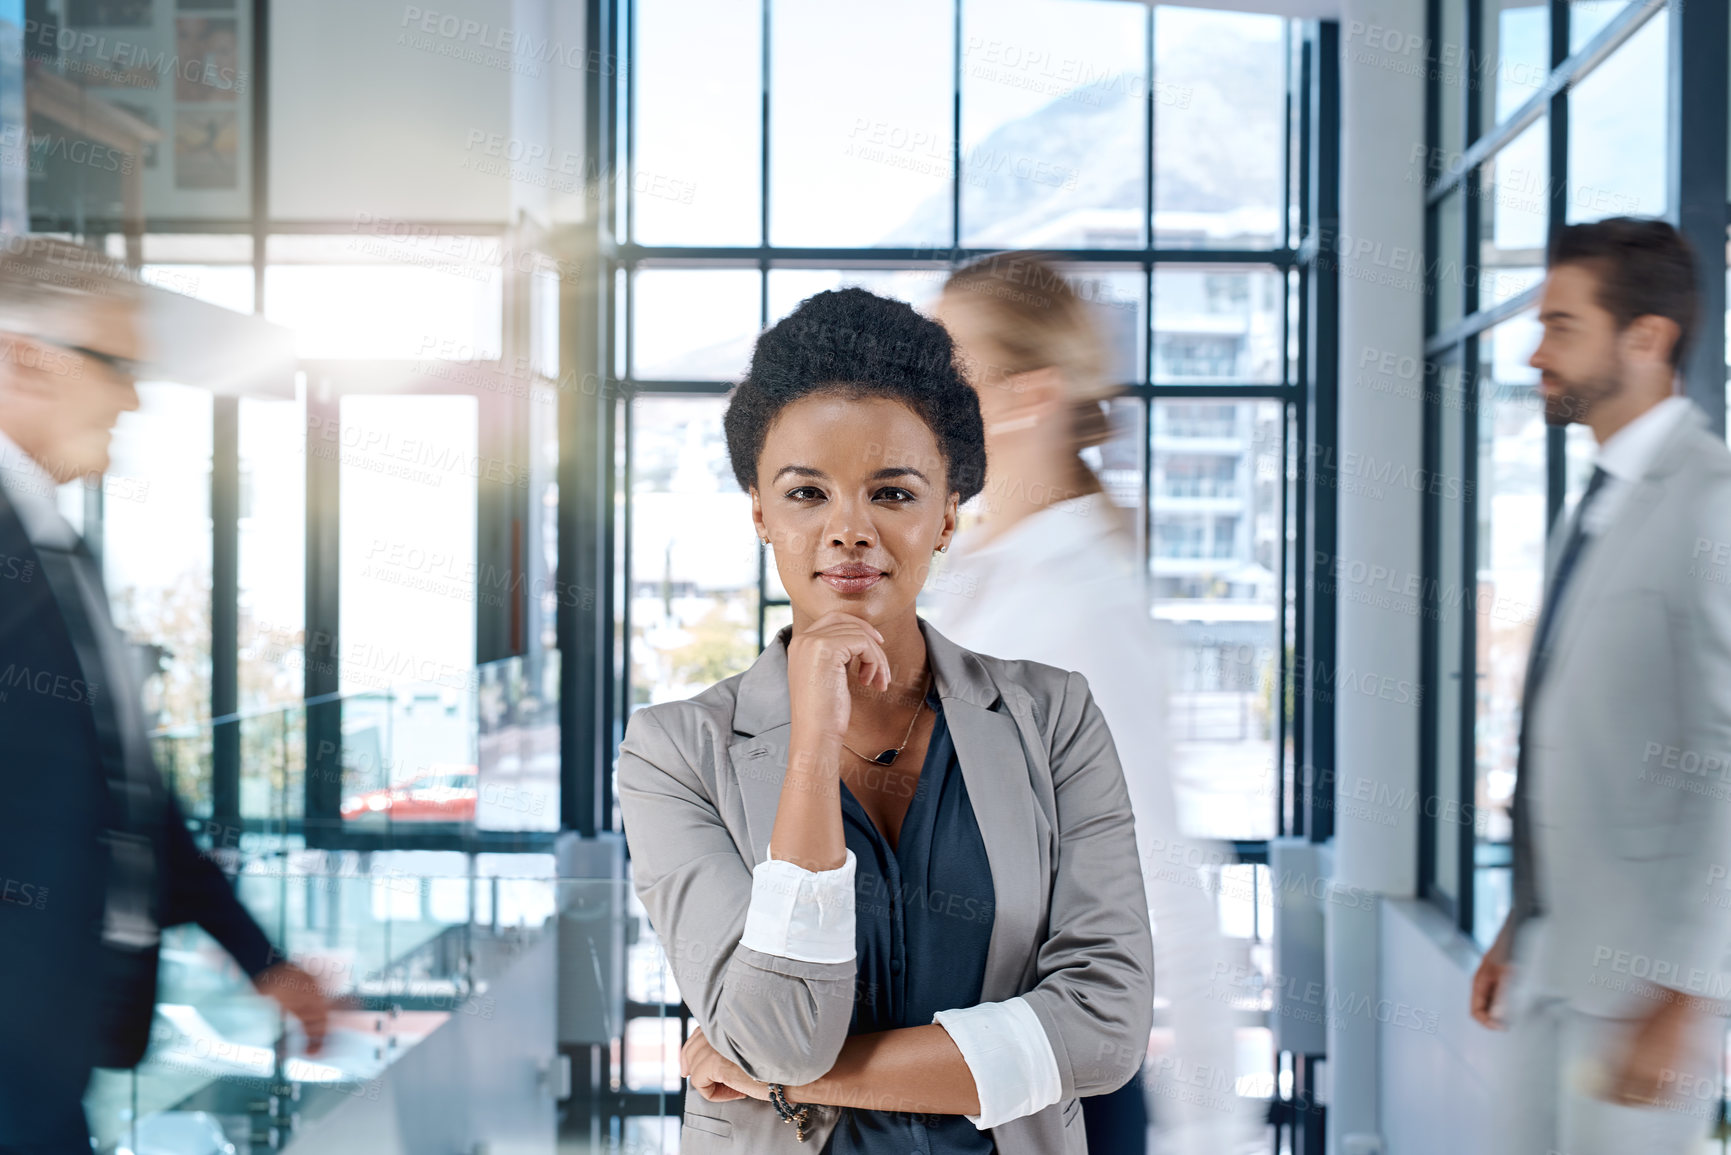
[[1437, 1063]]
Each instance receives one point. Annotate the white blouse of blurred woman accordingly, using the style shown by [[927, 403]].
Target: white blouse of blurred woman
[[1049, 573]]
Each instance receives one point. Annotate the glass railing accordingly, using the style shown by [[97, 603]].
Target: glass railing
[[403, 939], [416, 947], [407, 945], [473, 753]]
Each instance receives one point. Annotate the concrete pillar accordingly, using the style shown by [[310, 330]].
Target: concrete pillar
[[1376, 577]]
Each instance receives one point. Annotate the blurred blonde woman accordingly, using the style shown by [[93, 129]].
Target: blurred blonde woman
[[1049, 572]]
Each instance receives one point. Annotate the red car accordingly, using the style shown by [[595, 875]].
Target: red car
[[442, 794]]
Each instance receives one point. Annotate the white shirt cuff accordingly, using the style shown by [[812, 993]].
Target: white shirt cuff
[[1006, 1049], [801, 914]]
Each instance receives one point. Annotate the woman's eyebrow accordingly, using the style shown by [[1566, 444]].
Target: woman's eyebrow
[[799, 471], [898, 471], [881, 475]]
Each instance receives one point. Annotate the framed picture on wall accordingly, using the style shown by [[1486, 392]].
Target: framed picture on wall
[[208, 48], [206, 148], [148, 115]]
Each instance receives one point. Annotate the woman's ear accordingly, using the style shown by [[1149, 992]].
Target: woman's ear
[[952, 517], [757, 516]]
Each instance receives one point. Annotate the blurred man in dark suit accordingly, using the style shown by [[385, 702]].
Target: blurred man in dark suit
[[95, 856]]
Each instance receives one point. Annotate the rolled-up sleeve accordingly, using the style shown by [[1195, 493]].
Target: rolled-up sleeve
[[1095, 994], [1005, 1047], [802, 914], [782, 1017]]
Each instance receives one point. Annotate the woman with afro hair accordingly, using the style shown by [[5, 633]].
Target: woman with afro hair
[[896, 880]]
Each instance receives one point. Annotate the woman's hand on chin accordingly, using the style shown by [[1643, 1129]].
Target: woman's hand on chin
[[714, 1077], [820, 659]]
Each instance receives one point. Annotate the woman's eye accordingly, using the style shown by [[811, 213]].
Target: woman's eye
[[895, 493], [805, 493]]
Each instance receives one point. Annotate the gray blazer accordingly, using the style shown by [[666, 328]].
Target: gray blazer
[[1622, 819], [699, 785]]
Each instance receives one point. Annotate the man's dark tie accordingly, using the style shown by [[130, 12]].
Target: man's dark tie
[[1526, 898], [1560, 582]]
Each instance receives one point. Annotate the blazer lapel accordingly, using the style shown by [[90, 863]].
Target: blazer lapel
[[758, 751]]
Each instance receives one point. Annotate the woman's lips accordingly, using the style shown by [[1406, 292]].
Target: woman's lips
[[851, 579]]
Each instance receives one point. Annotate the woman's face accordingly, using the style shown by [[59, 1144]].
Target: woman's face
[[853, 496]]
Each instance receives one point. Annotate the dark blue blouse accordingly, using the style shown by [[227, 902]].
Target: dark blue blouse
[[923, 922]]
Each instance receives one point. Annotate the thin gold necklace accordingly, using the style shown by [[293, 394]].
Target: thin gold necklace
[[888, 757]]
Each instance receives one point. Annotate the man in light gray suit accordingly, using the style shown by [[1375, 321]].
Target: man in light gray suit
[[1610, 969]]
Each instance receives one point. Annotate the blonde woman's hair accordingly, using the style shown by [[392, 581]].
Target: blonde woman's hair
[[1034, 319]]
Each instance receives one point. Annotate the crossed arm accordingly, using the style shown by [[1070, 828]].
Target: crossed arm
[[918, 1069]]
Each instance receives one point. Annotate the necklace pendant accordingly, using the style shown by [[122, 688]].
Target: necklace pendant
[[887, 758]]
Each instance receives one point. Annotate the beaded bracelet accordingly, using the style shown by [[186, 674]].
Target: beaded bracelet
[[799, 1114]]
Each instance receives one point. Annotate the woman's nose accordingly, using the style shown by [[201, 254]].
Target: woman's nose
[[850, 527]]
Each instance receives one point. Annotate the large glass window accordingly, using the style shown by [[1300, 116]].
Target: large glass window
[[1114, 133]]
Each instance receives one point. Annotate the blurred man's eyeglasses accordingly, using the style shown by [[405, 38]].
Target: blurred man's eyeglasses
[[122, 366]]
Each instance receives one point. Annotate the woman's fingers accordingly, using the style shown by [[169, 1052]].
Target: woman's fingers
[[699, 1062], [872, 666], [718, 1092], [848, 642]]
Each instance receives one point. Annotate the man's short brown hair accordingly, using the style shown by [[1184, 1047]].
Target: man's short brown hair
[[1644, 268]]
